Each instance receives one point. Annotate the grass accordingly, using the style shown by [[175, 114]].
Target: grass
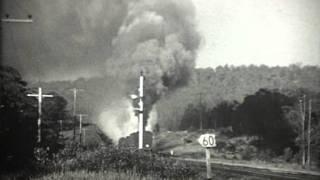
[[101, 175], [129, 175], [184, 144]]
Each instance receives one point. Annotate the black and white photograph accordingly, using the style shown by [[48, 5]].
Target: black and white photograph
[[160, 89]]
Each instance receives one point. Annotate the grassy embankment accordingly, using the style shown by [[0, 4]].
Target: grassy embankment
[[184, 144]]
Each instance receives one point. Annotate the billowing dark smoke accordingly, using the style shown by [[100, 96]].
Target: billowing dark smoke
[[115, 39], [159, 38]]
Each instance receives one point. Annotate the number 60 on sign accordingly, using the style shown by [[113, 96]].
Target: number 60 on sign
[[207, 140]]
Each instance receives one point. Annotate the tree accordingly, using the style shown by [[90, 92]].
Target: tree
[[18, 125], [18, 128], [262, 114], [190, 119], [54, 109], [222, 115]]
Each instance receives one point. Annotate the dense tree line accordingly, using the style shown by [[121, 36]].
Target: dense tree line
[[210, 87]]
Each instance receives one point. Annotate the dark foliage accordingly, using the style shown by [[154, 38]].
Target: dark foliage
[[266, 114], [261, 114], [109, 158], [18, 125]]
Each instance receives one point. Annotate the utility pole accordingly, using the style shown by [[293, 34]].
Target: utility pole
[[84, 136], [74, 109], [200, 101], [201, 109], [39, 95], [309, 134], [60, 123], [302, 112], [80, 126]]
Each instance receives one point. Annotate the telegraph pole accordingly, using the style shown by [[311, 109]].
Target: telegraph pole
[[84, 136], [74, 109], [200, 112], [39, 95], [302, 112], [309, 134], [60, 123], [200, 101], [80, 126]]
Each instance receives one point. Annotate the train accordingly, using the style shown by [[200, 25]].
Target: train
[[132, 141]]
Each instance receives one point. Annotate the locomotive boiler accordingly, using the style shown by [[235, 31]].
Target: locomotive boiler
[[132, 141]]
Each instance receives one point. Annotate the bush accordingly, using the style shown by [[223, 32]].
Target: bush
[[105, 158]]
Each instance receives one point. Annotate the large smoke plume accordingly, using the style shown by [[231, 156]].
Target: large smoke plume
[[160, 39], [113, 39]]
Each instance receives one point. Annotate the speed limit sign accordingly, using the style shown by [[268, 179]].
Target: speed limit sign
[[207, 140]]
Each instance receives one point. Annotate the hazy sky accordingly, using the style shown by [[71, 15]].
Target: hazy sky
[[271, 32], [75, 38]]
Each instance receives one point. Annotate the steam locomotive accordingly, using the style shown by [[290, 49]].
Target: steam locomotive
[[132, 141]]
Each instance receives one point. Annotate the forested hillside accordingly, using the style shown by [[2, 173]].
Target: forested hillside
[[211, 87]]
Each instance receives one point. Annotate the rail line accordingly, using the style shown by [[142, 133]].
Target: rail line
[[256, 171]]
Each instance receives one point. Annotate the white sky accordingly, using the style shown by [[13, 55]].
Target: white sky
[[271, 32]]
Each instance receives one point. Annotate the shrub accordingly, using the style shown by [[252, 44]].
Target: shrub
[[105, 158]]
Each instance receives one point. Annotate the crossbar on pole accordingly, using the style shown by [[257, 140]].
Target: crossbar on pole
[[12, 20]]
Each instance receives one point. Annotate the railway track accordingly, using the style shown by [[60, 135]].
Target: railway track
[[257, 171]]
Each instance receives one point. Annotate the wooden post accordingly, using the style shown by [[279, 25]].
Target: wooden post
[[60, 122], [84, 136], [309, 134], [39, 95], [80, 126], [200, 111], [302, 132], [74, 110], [208, 164], [208, 141]]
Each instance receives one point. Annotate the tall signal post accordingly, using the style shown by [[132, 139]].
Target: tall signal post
[[140, 110], [39, 95], [141, 129]]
